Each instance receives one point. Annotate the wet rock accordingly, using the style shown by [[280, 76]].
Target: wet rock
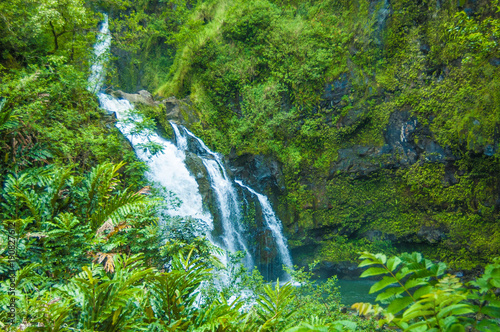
[[490, 150], [180, 111], [495, 62], [262, 173], [142, 97], [449, 175], [334, 92], [343, 270], [358, 160], [376, 235], [432, 234], [382, 15], [195, 166], [399, 136], [424, 48]]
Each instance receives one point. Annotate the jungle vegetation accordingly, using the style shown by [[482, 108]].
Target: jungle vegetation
[[260, 76], [84, 245]]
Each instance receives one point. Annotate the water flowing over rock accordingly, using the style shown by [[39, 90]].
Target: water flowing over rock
[[226, 197], [166, 168], [198, 185], [101, 48], [273, 224]]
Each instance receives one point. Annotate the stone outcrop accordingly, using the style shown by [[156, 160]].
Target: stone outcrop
[[141, 97], [180, 111]]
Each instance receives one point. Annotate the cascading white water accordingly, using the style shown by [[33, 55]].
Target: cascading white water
[[167, 167], [101, 47], [274, 225], [179, 138], [227, 199], [169, 170]]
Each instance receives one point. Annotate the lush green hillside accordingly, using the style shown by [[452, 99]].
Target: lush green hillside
[[383, 116]]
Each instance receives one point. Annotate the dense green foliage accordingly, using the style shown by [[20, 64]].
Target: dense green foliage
[[422, 298], [259, 75], [84, 244], [144, 33]]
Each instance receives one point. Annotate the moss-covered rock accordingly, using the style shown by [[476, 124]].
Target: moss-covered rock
[[381, 117]]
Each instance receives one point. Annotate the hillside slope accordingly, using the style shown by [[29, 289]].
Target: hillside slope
[[382, 117]]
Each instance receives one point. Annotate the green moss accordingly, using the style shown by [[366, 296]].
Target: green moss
[[157, 113], [256, 71]]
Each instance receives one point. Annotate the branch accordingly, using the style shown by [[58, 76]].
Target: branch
[[56, 35]]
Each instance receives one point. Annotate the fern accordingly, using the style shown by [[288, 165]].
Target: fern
[[8, 121], [49, 313], [317, 324], [485, 299], [99, 184], [108, 303], [272, 305], [218, 316]]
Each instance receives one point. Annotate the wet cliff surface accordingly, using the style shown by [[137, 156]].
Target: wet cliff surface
[[379, 132]]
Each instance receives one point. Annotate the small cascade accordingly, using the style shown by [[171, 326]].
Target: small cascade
[[101, 48], [180, 139], [227, 199], [273, 224]]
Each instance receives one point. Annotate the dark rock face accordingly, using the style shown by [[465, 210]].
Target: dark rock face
[[399, 137], [432, 234], [375, 235], [495, 62], [382, 15], [343, 270], [195, 166], [411, 141], [334, 92], [358, 160], [260, 172], [180, 111], [406, 142]]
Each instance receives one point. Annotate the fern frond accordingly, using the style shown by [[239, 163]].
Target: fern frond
[[118, 207], [8, 121], [100, 182]]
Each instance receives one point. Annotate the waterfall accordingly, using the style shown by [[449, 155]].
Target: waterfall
[[168, 168], [274, 225], [101, 47], [227, 199]]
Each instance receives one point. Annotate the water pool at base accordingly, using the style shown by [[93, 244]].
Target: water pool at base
[[353, 291]]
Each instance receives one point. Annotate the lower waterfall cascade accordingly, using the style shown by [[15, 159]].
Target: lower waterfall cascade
[[167, 168]]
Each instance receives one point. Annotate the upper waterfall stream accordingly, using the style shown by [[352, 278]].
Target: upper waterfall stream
[[221, 219]]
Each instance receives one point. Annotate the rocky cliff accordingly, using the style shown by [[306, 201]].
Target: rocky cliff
[[372, 125]]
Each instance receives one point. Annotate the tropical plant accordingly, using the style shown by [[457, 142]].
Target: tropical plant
[[272, 309], [421, 297]]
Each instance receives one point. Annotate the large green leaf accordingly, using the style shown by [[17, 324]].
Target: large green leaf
[[399, 304], [393, 263], [386, 281], [373, 271], [390, 293], [491, 311]]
